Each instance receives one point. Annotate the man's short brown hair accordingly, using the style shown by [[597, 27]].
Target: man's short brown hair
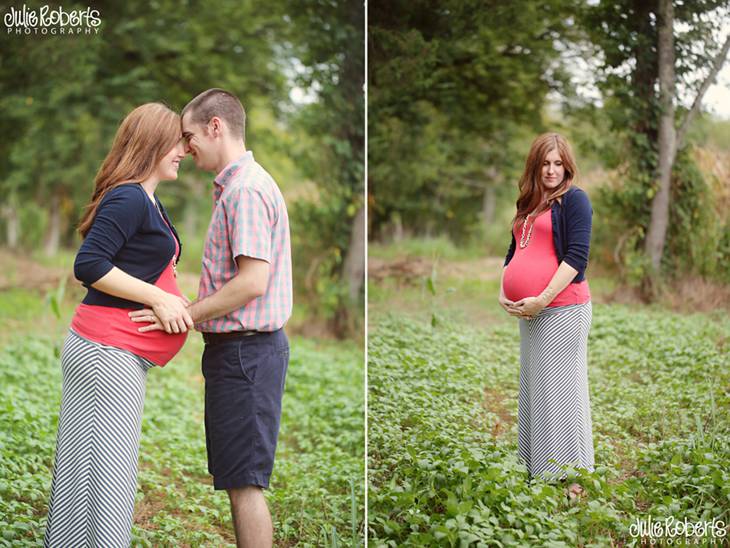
[[218, 102]]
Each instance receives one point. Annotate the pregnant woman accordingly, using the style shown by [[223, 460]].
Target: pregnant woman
[[127, 261], [544, 285]]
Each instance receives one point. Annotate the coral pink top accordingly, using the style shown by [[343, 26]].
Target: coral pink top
[[532, 267], [113, 327]]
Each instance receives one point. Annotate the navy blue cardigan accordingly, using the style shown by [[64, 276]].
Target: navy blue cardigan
[[129, 233], [571, 231]]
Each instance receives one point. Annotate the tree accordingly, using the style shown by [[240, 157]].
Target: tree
[[645, 57], [64, 96], [669, 139], [452, 86], [327, 37]]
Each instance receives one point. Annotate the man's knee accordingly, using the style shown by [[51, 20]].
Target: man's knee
[[241, 495]]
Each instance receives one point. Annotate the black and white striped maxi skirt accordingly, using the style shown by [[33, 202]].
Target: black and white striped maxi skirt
[[95, 471], [554, 406]]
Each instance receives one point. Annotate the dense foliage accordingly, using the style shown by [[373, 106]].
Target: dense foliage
[[456, 92], [624, 34], [62, 98], [330, 43], [443, 467], [316, 488]]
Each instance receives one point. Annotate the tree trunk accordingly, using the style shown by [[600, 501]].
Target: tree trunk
[[353, 272], [12, 223], [656, 236], [53, 235], [488, 206], [354, 267], [397, 228]]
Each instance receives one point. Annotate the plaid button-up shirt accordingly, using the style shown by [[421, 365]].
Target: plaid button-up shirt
[[249, 219]]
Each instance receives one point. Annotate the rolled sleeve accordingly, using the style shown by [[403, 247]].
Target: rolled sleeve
[[250, 222], [578, 224], [118, 217]]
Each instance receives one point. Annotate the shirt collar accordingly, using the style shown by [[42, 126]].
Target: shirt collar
[[227, 173]]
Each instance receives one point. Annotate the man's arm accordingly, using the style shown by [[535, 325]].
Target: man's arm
[[249, 283]]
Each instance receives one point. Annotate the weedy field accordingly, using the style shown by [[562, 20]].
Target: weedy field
[[317, 494], [443, 375]]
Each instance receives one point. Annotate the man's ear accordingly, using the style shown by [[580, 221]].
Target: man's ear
[[216, 126]]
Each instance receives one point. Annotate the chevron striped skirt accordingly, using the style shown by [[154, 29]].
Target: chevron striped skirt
[[95, 471], [554, 406]]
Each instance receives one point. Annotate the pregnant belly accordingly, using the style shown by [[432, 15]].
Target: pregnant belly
[[526, 279], [113, 327]]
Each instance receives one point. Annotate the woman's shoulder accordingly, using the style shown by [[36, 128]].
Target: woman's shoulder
[[575, 191], [576, 197], [128, 192], [127, 202]]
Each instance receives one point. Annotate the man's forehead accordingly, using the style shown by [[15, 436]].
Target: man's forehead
[[187, 122]]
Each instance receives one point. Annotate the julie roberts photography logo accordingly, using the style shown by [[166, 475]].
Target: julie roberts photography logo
[[674, 532], [52, 20]]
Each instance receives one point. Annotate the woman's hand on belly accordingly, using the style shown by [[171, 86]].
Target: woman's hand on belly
[[529, 307], [508, 305], [171, 310]]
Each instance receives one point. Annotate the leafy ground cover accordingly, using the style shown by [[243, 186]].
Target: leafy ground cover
[[442, 410], [317, 495]]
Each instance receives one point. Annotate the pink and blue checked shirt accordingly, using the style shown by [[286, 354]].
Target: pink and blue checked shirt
[[250, 219]]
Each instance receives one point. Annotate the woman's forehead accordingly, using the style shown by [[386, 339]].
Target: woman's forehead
[[553, 155]]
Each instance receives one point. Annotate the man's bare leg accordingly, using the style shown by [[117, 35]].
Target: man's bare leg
[[251, 517]]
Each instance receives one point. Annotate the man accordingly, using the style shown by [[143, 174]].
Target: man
[[244, 300]]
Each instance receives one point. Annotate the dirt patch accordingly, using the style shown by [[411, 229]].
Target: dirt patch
[[464, 289], [493, 402], [146, 509], [409, 271], [686, 296], [413, 270], [485, 269], [21, 272], [156, 501]]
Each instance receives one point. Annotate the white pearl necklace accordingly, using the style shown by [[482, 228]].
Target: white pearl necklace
[[524, 241]]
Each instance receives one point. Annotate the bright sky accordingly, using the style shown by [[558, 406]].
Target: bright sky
[[717, 98]]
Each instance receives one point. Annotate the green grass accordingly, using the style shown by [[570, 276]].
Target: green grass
[[20, 304], [442, 428], [438, 247], [443, 466], [320, 458]]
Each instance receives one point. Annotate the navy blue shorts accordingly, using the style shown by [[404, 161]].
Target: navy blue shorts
[[244, 383]]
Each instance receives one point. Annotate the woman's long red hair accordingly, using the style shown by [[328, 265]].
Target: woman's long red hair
[[145, 136], [531, 188]]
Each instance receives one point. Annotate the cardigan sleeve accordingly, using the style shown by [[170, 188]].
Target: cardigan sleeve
[[511, 250], [119, 216], [578, 220]]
